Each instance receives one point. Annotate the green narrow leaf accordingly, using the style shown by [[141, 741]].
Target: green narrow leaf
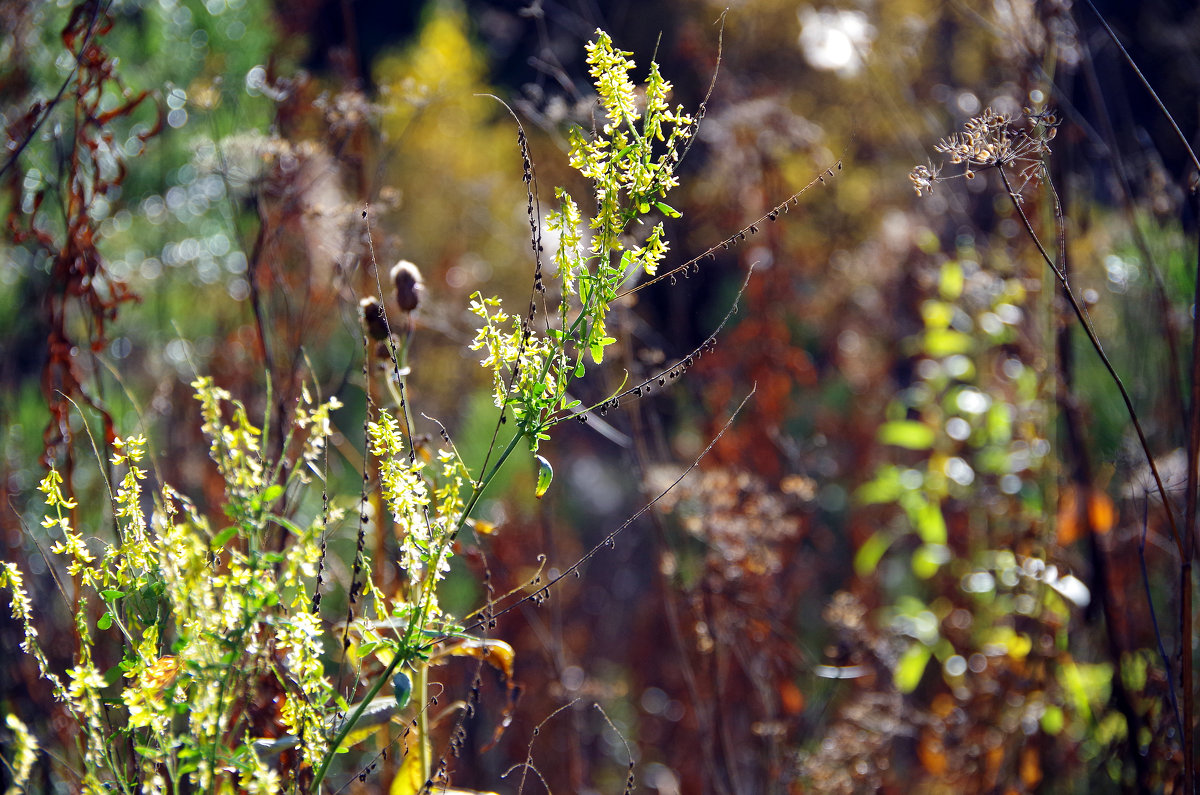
[[402, 685], [950, 281], [931, 525], [929, 559], [946, 342], [870, 553], [909, 434], [545, 475], [911, 667], [221, 538], [668, 210], [111, 594]]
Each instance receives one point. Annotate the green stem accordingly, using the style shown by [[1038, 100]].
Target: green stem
[[348, 724], [420, 690]]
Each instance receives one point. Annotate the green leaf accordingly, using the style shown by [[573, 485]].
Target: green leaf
[[222, 538], [950, 281], [545, 475], [580, 370], [937, 314], [105, 621], [668, 210], [870, 553], [113, 675], [945, 342], [928, 559], [272, 493], [111, 594], [402, 685], [597, 349], [909, 434], [886, 487], [911, 667], [1052, 720], [931, 525]]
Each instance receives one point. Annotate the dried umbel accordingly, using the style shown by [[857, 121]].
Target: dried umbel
[[409, 286]]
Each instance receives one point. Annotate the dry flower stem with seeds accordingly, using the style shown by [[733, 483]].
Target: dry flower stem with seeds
[[991, 141]]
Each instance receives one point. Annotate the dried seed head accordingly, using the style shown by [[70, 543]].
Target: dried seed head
[[372, 314], [408, 285]]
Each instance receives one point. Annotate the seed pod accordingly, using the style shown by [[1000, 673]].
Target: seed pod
[[408, 285], [372, 314]]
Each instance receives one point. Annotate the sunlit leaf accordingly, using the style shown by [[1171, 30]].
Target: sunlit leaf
[[402, 687], [931, 525], [911, 667], [886, 487], [1052, 720], [870, 553], [937, 315], [910, 434], [928, 559], [945, 342], [411, 779], [495, 653], [220, 539], [545, 475], [950, 281]]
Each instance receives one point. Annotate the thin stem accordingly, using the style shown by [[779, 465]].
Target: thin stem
[[1190, 508], [1090, 332], [421, 692], [351, 721], [1146, 83]]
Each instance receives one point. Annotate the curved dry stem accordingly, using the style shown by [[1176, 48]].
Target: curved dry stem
[[1090, 332]]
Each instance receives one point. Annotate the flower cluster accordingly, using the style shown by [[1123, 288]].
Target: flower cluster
[[631, 161], [990, 140], [196, 609], [427, 524]]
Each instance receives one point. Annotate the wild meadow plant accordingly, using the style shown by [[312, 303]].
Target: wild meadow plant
[[231, 676]]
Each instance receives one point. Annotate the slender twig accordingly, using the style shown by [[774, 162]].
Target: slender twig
[[1146, 84], [609, 539], [1090, 332], [1193, 460], [1184, 548]]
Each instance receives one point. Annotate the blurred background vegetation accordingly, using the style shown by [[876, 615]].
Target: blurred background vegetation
[[923, 559]]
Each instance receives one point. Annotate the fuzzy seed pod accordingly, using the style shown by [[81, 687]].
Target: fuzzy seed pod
[[372, 313], [408, 285]]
